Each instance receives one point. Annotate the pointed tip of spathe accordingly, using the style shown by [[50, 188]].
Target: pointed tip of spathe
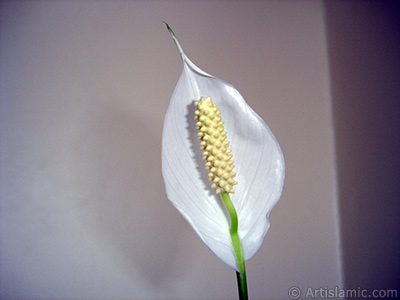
[[183, 56], [169, 28]]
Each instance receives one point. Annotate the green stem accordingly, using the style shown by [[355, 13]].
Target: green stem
[[237, 247]]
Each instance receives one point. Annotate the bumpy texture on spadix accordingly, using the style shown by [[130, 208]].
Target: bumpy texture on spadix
[[214, 146], [259, 164]]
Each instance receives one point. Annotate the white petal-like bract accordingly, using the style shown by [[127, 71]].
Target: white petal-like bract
[[258, 159]]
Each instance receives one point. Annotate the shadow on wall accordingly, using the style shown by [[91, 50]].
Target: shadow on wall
[[364, 47], [130, 206]]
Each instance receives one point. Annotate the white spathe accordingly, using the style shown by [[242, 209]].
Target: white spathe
[[256, 153]]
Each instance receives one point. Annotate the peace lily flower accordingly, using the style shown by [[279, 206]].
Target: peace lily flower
[[252, 158]]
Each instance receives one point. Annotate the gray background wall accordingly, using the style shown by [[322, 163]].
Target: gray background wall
[[84, 89], [364, 54]]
